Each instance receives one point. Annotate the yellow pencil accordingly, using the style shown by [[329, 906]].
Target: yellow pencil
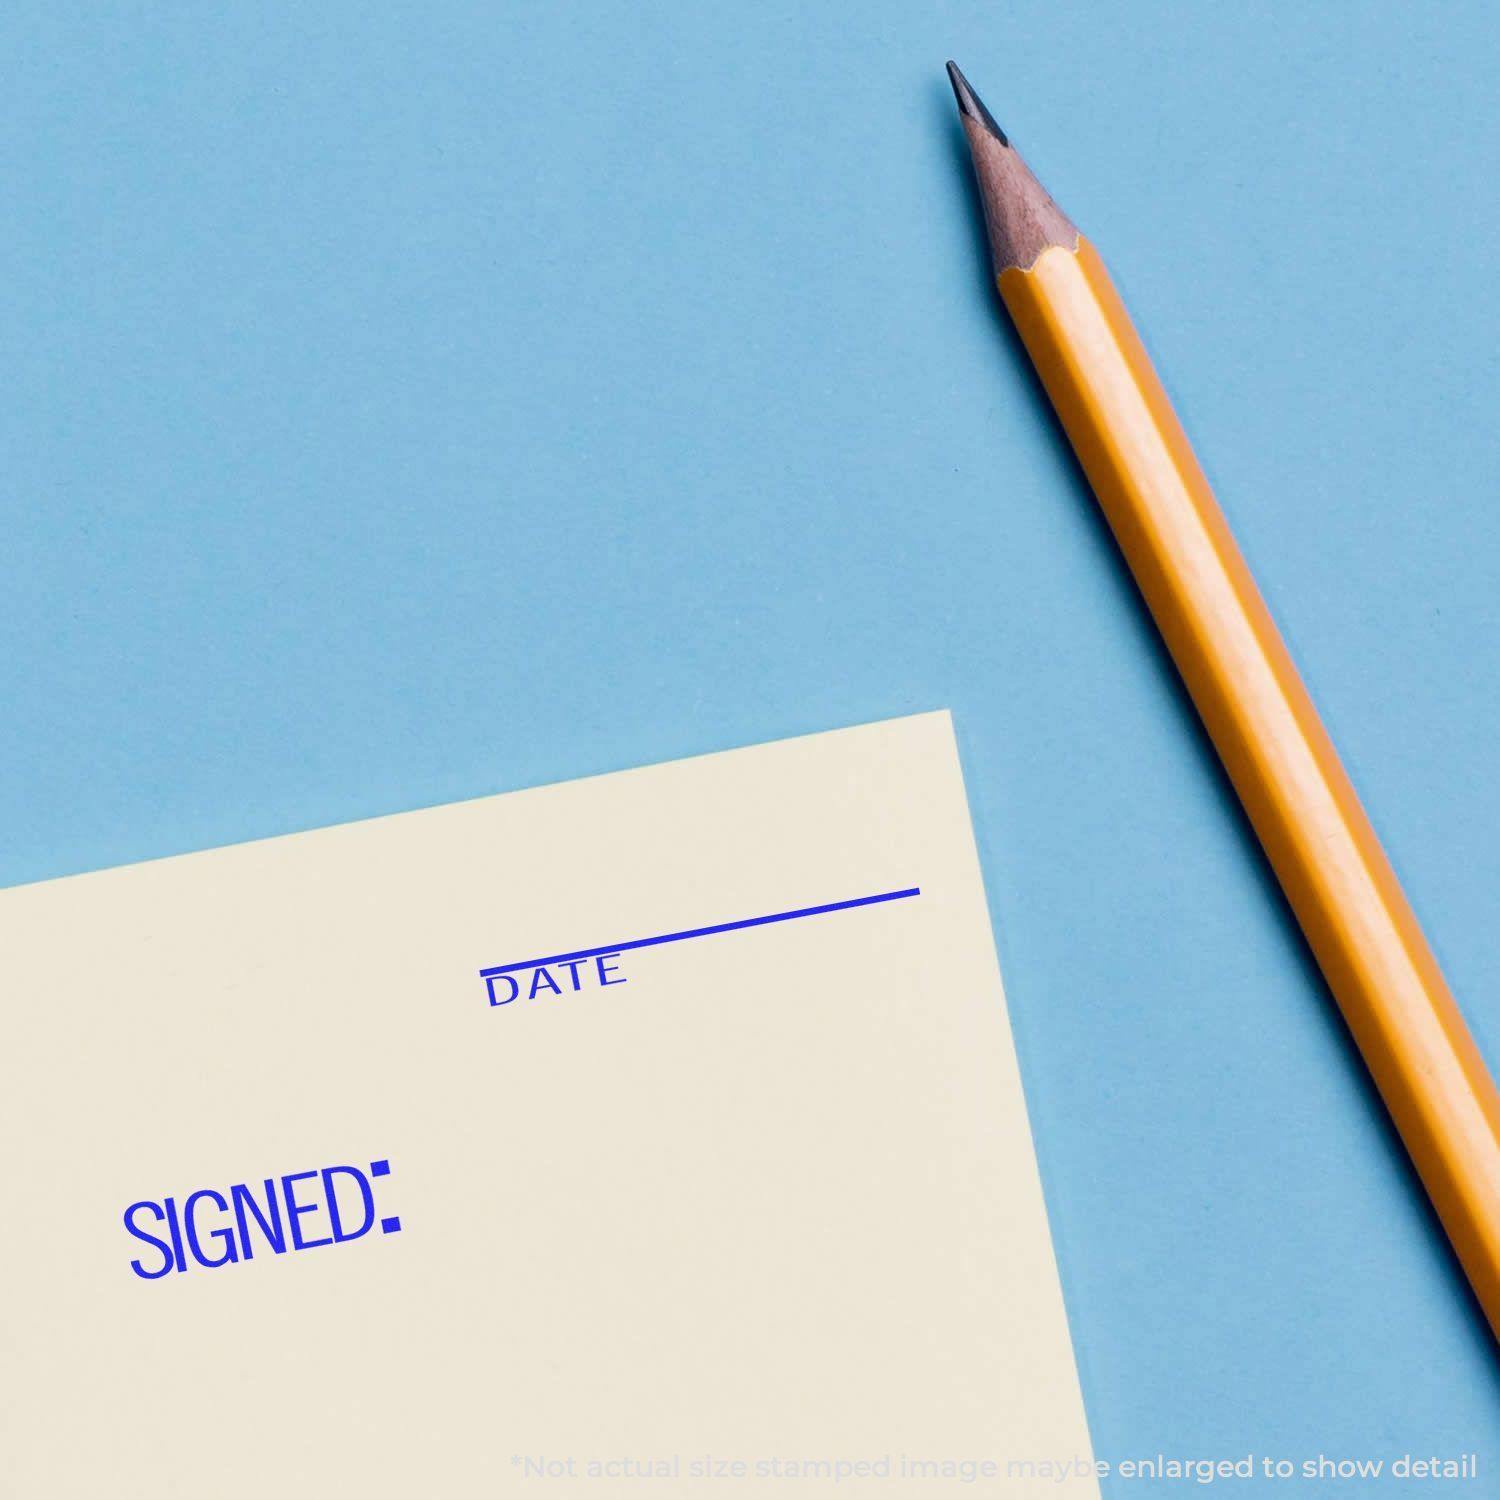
[[1258, 713]]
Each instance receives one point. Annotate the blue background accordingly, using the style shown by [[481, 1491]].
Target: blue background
[[411, 402]]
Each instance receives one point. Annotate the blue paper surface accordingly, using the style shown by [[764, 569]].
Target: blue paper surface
[[412, 402]]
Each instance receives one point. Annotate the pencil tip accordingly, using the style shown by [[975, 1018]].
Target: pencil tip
[[971, 105], [1020, 218]]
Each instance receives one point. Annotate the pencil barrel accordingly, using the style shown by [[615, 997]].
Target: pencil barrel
[[1296, 793]]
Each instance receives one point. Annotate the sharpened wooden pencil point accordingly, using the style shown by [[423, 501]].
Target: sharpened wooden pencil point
[[1019, 214]]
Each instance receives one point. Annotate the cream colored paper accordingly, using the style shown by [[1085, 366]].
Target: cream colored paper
[[769, 1202]]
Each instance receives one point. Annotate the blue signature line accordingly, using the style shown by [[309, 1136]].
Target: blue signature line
[[694, 932]]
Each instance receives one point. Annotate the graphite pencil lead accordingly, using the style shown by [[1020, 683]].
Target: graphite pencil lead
[[970, 104]]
